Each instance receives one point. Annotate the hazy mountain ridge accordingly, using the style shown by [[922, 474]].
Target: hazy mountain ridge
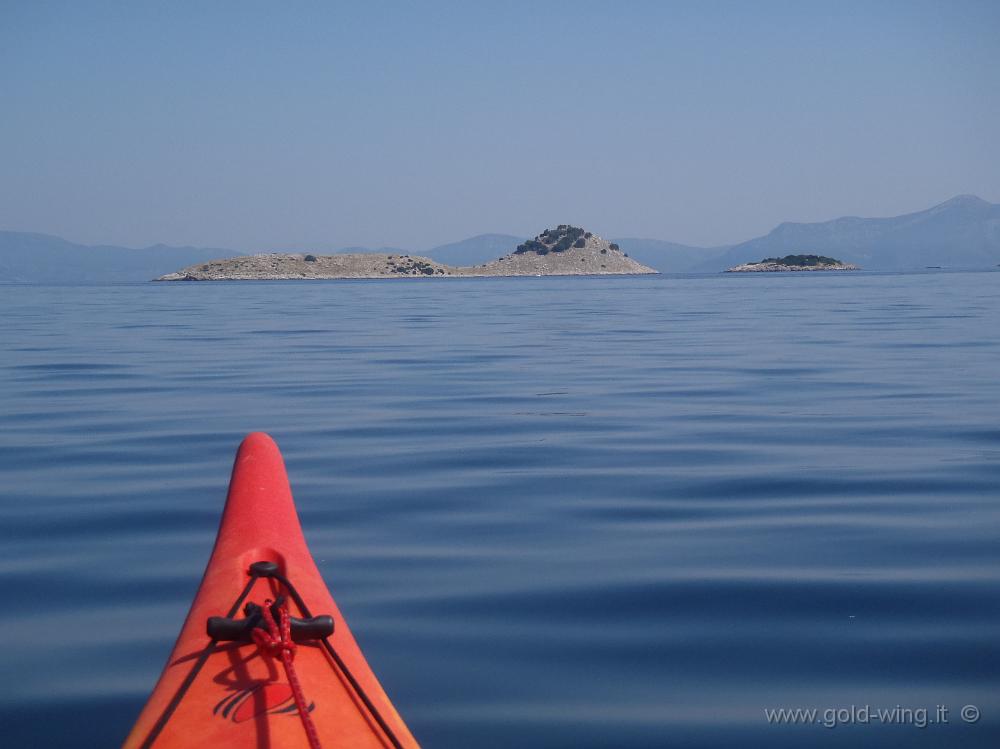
[[963, 232], [477, 250], [27, 257], [668, 257]]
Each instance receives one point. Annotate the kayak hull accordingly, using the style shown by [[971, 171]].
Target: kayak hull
[[229, 694]]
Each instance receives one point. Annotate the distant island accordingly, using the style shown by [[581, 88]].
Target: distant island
[[563, 251], [961, 233], [792, 263]]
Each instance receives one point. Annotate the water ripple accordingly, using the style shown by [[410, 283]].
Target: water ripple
[[557, 512]]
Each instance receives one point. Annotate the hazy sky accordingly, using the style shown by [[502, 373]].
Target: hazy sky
[[266, 125]]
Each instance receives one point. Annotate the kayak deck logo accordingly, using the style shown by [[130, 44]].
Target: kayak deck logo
[[258, 698]]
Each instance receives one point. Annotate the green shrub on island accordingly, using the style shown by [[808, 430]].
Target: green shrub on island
[[559, 239], [532, 245], [800, 260], [563, 244], [409, 266]]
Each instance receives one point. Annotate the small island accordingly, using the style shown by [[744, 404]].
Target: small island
[[792, 263], [563, 251]]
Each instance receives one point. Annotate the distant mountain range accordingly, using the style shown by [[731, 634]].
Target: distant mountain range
[[669, 257], [42, 258], [476, 250], [963, 232]]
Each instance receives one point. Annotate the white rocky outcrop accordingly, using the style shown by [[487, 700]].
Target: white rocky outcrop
[[563, 251]]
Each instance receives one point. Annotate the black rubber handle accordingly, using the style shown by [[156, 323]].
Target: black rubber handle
[[312, 629], [223, 629]]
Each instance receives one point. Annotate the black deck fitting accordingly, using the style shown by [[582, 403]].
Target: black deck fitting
[[264, 569]]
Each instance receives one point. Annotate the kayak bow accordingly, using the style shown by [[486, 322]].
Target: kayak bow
[[265, 659]]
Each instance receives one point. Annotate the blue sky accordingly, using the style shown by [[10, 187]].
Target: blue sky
[[267, 125]]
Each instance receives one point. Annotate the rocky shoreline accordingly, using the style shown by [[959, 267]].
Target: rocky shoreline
[[564, 251], [780, 268]]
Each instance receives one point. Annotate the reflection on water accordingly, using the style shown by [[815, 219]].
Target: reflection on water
[[627, 512]]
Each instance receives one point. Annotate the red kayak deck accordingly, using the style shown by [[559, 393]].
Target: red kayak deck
[[230, 693]]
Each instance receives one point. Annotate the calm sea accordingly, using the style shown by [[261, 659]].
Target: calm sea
[[589, 512]]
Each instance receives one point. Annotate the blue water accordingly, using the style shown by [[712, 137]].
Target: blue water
[[589, 512]]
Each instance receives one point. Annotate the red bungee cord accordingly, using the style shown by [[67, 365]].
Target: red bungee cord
[[277, 642]]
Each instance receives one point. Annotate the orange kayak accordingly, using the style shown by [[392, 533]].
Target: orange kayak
[[264, 658]]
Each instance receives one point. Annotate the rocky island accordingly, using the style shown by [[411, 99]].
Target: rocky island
[[563, 251], [792, 263]]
